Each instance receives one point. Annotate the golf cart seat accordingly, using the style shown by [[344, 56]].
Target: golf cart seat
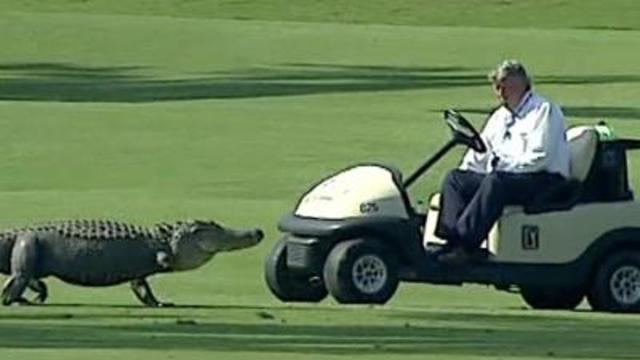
[[583, 141]]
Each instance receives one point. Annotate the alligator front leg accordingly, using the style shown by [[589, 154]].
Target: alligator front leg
[[143, 292], [23, 260]]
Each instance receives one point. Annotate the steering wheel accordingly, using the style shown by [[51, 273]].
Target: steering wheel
[[463, 131]]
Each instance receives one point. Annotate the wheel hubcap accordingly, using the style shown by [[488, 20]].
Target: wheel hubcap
[[625, 285], [369, 274]]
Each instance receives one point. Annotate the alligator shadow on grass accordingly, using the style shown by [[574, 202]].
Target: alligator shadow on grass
[[96, 312], [595, 338], [140, 306], [134, 84]]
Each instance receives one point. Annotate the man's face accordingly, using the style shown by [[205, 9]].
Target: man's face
[[507, 89]]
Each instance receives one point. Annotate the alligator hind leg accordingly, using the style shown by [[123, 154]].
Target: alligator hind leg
[[23, 259], [143, 292], [38, 286], [40, 289], [12, 291]]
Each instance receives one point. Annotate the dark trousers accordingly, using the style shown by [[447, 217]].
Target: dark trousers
[[471, 203]]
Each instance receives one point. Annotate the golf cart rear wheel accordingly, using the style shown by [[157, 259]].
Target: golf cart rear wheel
[[361, 271], [286, 285], [551, 299], [616, 286]]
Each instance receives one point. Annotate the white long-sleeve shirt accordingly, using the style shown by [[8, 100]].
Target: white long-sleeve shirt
[[530, 139]]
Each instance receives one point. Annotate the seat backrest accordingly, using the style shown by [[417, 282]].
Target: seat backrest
[[583, 141]]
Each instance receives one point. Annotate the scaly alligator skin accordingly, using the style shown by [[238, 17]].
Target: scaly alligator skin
[[104, 253]]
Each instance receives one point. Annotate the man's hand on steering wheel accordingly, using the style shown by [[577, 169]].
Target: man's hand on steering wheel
[[463, 131]]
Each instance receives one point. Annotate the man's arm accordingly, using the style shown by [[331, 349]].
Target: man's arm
[[473, 161], [480, 163]]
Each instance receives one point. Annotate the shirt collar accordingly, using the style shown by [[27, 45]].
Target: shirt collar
[[517, 112]]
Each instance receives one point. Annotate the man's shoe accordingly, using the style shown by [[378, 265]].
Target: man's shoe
[[456, 256]]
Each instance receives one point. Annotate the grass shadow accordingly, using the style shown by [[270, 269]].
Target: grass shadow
[[133, 84], [422, 333], [589, 112], [603, 112]]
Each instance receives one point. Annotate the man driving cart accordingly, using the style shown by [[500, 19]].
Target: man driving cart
[[527, 152]]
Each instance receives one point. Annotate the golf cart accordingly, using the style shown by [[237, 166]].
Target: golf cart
[[355, 234]]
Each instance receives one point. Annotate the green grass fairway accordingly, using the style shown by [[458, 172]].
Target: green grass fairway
[[582, 14], [229, 110]]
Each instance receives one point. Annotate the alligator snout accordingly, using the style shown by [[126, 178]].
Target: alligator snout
[[251, 237]]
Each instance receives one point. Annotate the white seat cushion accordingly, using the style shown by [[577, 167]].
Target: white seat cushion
[[582, 145]]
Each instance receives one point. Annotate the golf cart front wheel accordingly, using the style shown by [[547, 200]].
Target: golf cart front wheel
[[361, 271], [551, 299], [616, 286], [288, 286]]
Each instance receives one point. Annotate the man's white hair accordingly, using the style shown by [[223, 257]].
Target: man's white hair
[[510, 68]]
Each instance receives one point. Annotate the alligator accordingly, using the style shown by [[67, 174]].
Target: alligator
[[105, 253]]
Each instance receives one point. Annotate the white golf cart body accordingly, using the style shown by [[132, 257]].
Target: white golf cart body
[[361, 191], [549, 237], [355, 234]]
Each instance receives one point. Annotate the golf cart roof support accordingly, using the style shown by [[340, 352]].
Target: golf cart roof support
[[427, 164]]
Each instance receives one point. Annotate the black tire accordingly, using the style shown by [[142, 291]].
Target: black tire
[[551, 298], [616, 285], [361, 271], [285, 285]]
